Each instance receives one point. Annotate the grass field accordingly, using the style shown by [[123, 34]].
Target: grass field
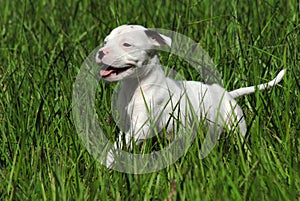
[[42, 46]]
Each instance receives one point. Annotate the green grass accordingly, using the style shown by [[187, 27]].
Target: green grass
[[42, 46]]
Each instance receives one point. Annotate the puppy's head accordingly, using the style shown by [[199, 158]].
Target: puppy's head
[[127, 50]]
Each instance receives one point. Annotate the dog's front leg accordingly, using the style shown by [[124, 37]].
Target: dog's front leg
[[132, 132], [130, 138], [114, 152]]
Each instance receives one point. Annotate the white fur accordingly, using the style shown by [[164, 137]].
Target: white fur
[[146, 95]]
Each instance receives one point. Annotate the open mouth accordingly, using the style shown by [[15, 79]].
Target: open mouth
[[110, 70]]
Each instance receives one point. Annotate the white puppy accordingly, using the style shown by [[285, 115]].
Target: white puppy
[[148, 101]]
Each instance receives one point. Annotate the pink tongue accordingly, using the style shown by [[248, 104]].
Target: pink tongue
[[105, 73]]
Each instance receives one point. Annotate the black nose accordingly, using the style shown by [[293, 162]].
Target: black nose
[[100, 54]]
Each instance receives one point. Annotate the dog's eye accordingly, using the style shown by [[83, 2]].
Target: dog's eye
[[126, 45]]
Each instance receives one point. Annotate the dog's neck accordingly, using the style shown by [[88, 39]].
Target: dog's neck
[[150, 73]]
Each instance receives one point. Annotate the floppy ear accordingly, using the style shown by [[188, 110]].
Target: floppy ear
[[158, 39]]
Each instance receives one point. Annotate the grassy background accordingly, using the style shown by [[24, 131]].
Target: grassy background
[[42, 46]]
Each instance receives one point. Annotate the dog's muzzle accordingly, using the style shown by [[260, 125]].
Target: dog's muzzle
[[109, 70]]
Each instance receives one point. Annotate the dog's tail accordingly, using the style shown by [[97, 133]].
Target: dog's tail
[[248, 90]]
